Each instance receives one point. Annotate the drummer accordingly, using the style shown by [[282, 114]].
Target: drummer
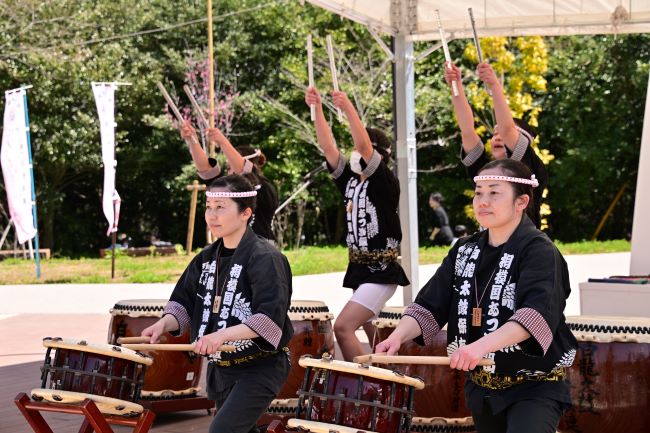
[[370, 192], [236, 291], [242, 160], [501, 292]]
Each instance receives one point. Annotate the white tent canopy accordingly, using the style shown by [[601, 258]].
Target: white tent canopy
[[415, 20]]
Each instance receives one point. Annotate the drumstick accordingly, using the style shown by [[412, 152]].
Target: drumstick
[[174, 347], [382, 358], [310, 73], [170, 102], [196, 106], [335, 80], [127, 340], [445, 48], [477, 43]]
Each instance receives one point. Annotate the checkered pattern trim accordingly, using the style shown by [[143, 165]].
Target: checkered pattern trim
[[473, 155], [523, 141], [536, 325], [428, 324], [179, 313], [373, 164], [265, 328], [340, 166]]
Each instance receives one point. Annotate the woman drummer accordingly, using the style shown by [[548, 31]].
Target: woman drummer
[[501, 292], [236, 291], [250, 165], [512, 138], [370, 193]]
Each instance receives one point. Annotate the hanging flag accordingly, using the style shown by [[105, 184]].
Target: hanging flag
[[16, 165], [105, 100]]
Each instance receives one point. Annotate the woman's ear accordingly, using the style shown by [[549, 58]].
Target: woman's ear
[[248, 212], [521, 203]]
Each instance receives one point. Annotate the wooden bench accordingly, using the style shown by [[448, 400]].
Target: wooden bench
[[19, 254]]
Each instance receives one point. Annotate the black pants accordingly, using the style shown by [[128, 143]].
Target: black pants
[[531, 416], [243, 393]]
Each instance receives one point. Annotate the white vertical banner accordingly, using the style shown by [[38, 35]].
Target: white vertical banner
[[105, 100], [14, 158]]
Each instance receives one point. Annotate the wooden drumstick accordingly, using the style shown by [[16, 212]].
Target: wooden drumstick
[[170, 102], [174, 347], [131, 340], [382, 358]]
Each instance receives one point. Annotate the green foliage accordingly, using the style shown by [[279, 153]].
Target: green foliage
[[590, 118], [592, 121]]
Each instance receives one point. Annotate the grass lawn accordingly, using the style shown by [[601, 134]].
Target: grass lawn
[[167, 269]]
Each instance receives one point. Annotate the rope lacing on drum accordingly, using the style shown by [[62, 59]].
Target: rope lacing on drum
[[426, 428], [305, 309], [609, 329], [139, 307], [390, 315]]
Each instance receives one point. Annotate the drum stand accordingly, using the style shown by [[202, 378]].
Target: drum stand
[[94, 420]]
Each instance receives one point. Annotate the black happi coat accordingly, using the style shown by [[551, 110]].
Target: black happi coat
[[255, 290], [530, 285], [371, 219]]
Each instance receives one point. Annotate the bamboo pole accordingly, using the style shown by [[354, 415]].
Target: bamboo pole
[[194, 188], [211, 74]]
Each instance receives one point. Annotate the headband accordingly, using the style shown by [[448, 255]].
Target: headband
[[532, 181], [229, 194]]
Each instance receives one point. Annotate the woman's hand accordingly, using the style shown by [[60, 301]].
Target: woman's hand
[[154, 331], [487, 74], [215, 136], [466, 357], [312, 97], [341, 100], [390, 345], [452, 74], [209, 344], [188, 133]]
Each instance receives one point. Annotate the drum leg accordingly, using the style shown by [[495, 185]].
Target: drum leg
[[34, 418], [94, 418]]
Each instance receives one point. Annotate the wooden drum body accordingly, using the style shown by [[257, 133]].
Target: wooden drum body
[[610, 377], [312, 335], [355, 396], [173, 374], [110, 375], [443, 394]]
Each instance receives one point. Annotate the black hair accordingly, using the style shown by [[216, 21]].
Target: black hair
[[380, 142], [236, 183], [513, 168], [460, 230]]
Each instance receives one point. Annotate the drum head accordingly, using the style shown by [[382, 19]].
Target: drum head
[[309, 310], [322, 427], [606, 329], [361, 370], [106, 405], [99, 348], [139, 308]]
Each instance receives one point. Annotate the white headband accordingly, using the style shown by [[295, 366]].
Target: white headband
[[532, 181], [253, 155], [229, 194]]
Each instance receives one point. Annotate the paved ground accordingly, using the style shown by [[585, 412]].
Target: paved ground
[[29, 313]]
